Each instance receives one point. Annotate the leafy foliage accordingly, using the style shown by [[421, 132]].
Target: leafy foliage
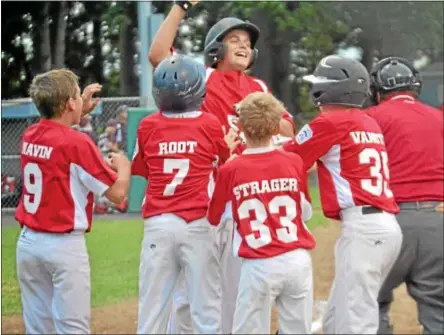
[[101, 39]]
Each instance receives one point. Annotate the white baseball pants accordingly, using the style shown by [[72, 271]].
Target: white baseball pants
[[286, 279], [365, 252], [171, 245], [54, 278], [180, 321]]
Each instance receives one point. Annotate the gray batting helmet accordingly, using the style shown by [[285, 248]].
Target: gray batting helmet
[[214, 49], [339, 81]]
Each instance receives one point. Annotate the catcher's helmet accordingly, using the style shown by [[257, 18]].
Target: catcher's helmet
[[393, 74], [179, 84], [214, 49], [339, 81]]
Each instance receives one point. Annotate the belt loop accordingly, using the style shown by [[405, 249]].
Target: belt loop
[[418, 205]]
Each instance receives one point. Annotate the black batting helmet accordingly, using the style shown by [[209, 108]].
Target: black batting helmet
[[393, 74], [179, 84], [214, 49], [339, 81]]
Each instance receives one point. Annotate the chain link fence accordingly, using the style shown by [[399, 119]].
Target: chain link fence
[[107, 129]]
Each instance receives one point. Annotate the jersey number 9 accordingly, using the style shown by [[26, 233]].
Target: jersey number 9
[[33, 181]]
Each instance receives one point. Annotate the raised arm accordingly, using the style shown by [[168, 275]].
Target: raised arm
[[163, 41]]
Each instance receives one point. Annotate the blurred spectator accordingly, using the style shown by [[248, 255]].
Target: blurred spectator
[[86, 127], [121, 135], [107, 140]]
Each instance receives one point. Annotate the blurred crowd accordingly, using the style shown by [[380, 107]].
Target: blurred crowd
[[110, 138]]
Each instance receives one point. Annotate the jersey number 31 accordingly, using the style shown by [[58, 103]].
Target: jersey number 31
[[379, 172]]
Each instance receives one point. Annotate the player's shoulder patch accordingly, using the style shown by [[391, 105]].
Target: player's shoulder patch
[[304, 134]]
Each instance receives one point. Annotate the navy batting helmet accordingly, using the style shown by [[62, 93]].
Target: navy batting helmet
[[214, 49], [393, 74], [179, 84], [339, 81]]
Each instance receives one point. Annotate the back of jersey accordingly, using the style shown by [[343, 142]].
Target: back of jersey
[[267, 191], [61, 168], [177, 154], [414, 135], [358, 164]]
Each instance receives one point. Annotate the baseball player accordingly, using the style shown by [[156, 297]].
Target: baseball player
[[177, 151], [62, 170], [353, 173], [229, 50], [267, 189], [414, 141]]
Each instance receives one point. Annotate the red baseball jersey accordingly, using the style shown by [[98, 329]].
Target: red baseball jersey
[[414, 134], [350, 152], [267, 190], [177, 154], [61, 169], [225, 90]]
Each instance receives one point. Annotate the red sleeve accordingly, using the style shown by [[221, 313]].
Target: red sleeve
[[90, 167], [219, 199], [138, 165], [313, 140]]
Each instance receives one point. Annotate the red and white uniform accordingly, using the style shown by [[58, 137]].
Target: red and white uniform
[[416, 174], [178, 154], [225, 90], [349, 149], [62, 169], [267, 189]]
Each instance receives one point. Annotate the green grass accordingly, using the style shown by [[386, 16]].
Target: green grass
[[114, 249]]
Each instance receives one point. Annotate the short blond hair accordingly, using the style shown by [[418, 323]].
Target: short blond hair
[[260, 114], [51, 90]]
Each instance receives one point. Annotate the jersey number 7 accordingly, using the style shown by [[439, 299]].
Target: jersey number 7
[[169, 166]]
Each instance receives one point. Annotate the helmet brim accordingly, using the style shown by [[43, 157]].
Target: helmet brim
[[317, 80]]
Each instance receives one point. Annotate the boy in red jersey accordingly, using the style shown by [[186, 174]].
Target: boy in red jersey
[[267, 191], [349, 149], [62, 170], [229, 50], [178, 149]]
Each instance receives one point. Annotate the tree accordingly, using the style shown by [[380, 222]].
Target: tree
[[394, 28]]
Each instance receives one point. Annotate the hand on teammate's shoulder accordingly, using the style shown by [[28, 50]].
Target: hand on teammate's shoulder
[[231, 138], [233, 156]]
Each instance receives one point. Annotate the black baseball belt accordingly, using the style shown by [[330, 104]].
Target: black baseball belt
[[370, 210]]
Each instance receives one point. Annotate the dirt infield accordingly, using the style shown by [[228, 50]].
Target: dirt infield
[[121, 318]]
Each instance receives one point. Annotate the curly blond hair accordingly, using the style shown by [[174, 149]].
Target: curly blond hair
[[259, 115]]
